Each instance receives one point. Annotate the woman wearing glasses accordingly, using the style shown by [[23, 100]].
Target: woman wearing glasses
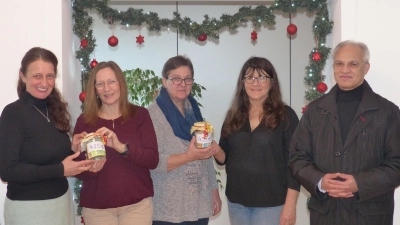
[[121, 193], [255, 139], [185, 186]]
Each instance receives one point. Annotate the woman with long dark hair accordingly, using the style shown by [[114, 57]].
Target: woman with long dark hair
[[255, 140], [35, 147]]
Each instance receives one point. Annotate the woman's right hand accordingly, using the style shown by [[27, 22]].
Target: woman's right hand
[[195, 153], [72, 168]]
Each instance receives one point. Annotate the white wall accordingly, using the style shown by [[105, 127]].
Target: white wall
[[370, 21]]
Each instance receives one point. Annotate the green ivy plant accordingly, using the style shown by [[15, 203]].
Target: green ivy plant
[[144, 86]]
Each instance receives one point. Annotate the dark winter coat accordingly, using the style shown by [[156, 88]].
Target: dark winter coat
[[371, 154]]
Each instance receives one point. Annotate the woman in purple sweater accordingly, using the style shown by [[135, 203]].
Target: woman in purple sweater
[[121, 192]]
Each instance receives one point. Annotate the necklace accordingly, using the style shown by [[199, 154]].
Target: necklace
[[47, 112]]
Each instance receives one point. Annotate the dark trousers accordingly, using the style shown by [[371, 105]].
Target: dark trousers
[[203, 221]]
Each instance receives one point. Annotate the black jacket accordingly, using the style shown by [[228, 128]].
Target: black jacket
[[371, 154]]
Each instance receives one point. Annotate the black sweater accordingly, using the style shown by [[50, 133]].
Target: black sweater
[[31, 151], [347, 104], [256, 163]]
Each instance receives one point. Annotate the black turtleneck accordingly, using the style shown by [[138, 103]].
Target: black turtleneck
[[347, 104], [31, 151]]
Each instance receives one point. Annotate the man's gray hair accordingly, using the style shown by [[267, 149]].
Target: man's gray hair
[[361, 45]]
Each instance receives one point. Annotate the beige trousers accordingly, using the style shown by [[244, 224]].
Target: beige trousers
[[140, 213]]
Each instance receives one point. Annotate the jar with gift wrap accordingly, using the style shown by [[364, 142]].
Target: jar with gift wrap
[[93, 144], [203, 132]]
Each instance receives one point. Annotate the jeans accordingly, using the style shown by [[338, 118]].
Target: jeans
[[203, 221], [242, 215]]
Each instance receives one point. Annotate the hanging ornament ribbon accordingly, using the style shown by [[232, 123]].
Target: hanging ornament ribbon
[[112, 41], [291, 28]]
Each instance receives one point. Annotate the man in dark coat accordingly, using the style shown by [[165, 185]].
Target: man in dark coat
[[346, 149]]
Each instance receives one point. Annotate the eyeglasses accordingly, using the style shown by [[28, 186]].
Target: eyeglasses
[[350, 65], [110, 83], [260, 79], [178, 81]]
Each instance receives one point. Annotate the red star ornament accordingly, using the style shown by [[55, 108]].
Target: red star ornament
[[254, 35], [316, 56], [139, 39]]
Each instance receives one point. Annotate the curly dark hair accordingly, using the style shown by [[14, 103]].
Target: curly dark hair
[[273, 107], [56, 105]]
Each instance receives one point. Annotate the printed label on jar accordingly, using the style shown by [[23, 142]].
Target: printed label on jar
[[201, 141], [95, 149]]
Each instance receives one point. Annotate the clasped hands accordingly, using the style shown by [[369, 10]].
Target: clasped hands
[[339, 185]]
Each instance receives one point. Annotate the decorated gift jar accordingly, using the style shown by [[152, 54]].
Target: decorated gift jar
[[93, 144], [203, 133]]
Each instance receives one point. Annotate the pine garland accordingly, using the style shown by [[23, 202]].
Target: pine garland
[[260, 15]]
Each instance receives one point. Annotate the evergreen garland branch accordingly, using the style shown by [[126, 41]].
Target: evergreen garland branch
[[258, 16]]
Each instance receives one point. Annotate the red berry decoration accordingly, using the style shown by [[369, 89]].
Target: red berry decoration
[[254, 35], [321, 87], [113, 41], [139, 39], [202, 37], [291, 29], [316, 56], [93, 63], [303, 109], [84, 43], [82, 96]]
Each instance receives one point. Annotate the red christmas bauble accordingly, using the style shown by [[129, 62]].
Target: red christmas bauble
[[82, 96], [303, 109], [291, 29], [140, 39], [113, 41], [254, 35], [202, 37], [316, 56], [321, 87], [84, 43], [93, 63]]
